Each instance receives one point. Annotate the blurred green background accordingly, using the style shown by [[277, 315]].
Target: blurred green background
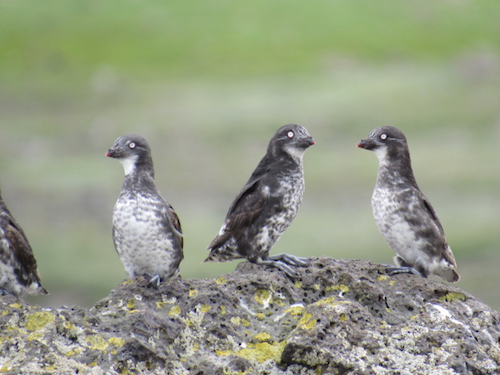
[[207, 84]]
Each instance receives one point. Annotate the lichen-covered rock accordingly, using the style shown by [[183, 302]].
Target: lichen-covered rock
[[339, 317]]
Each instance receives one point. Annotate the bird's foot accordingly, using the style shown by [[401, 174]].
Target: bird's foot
[[291, 260], [153, 281], [394, 270], [286, 268], [3, 292]]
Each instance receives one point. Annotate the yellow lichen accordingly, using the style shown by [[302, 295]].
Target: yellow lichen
[[193, 293], [220, 280], [310, 324], [453, 296], [15, 305], [35, 336], [263, 297], [174, 311], [305, 319], [260, 352], [264, 336], [326, 301], [39, 320], [205, 308], [97, 342], [127, 282], [236, 320], [260, 316], [68, 325], [263, 352], [130, 303], [343, 288], [116, 341], [295, 310], [159, 304], [343, 317], [5, 312], [317, 286], [222, 310], [74, 351], [382, 278], [298, 284]]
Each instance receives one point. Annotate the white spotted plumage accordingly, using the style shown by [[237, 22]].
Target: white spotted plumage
[[18, 268], [267, 204], [146, 230], [403, 214]]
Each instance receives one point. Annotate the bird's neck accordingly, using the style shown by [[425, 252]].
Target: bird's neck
[[395, 169], [139, 178]]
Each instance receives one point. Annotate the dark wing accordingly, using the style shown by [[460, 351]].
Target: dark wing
[[430, 210], [21, 247], [245, 209], [176, 223]]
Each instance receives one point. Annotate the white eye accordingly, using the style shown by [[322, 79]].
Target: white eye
[[383, 136], [291, 134], [131, 145]]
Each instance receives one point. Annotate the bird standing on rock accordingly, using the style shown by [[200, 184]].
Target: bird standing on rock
[[266, 205], [146, 230], [403, 214], [18, 273]]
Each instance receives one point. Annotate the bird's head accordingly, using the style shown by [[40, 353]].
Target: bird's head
[[292, 139], [131, 150], [385, 141]]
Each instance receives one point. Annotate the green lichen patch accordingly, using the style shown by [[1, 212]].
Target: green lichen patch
[[220, 280], [39, 320], [116, 341], [131, 304], [341, 287], [236, 320], [97, 342], [295, 310], [453, 296], [260, 352], [263, 297], [174, 311], [263, 336]]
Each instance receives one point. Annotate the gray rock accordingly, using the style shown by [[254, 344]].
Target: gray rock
[[340, 317]]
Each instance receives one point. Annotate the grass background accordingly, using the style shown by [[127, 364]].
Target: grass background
[[208, 83]]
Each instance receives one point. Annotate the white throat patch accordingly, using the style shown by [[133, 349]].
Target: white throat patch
[[294, 152], [381, 153], [129, 164]]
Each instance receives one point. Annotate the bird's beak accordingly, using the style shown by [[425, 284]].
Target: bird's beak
[[111, 153], [311, 141], [366, 143]]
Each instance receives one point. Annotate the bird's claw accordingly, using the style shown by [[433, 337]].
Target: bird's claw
[[153, 281], [291, 260], [286, 268], [395, 270]]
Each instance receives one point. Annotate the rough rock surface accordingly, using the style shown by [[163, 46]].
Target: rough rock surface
[[339, 317]]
